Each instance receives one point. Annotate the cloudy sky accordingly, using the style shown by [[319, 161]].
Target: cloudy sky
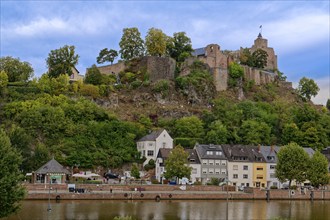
[[297, 30]]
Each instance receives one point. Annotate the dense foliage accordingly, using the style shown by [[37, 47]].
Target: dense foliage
[[62, 61], [106, 55], [307, 88], [156, 42], [176, 164], [15, 69], [11, 192], [131, 44]]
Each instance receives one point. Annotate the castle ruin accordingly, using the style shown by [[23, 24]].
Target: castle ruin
[[217, 60]]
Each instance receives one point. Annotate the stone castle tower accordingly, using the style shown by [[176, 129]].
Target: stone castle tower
[[262, 43]]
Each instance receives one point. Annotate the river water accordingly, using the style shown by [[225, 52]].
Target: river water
[[219, 209]]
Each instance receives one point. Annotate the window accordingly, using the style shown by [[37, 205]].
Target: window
[[150, 153], [143, 153], [272, 167], [275, 184], [260, 177], [218, 153], [247, 184], [217, 171], [235, 176], [272, 175], [217, 162], [204, 171], [260, 168], [245, 176], [211, 162], [223, 163], [194, 171], [150, 144], [235, 167], [209, 152], [205, 162], [245, 167], [223, 172], [211, 171], [164, 144]]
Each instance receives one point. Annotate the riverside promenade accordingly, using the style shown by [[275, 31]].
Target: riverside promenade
[[165, 192]]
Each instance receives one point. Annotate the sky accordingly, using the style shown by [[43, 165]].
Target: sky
[[299, 31]]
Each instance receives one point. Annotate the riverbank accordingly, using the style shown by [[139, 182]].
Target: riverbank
[[165, 192]]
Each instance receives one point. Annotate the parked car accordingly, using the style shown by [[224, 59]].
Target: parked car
[[111, 176]]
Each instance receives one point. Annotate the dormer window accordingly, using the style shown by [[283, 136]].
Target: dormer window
[[219, 153], [209, 152]]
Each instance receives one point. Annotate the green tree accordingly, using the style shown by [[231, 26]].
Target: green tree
[[292, 163], [131, 44], [217, 134], [254, 132], [328, 104], [11, 190], [93, 76], [3, 82], [16, 70], [191, 127], [62, 61], [156, 42], [54, 86], [259, 58], [307, 88], [106, 55], [179, 46], [235, 70], [246, 57], [317, 172], [290, 133], [176, 164], [310, 138], [135, 171]]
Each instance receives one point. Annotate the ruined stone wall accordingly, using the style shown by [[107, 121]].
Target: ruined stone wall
[[260, 77], [112, 69], [160, 68], [261, 43]]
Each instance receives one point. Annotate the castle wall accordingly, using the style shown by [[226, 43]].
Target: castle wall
[[261, 43], [112, 69], [160, 68]]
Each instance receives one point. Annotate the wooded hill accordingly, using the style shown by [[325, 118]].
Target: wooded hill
[[98, 125]]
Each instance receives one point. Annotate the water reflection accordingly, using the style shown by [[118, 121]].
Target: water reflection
[[94, 209]]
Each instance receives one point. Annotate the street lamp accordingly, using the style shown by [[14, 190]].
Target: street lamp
[[49, 206]]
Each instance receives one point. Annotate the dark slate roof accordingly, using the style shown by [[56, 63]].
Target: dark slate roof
[[202, 150], [52, 166], [243, 153], [164, 153], [198, 52], [152, 136], [269, 151], [193, 157]]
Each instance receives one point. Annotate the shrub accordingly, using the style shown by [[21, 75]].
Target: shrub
[[89, 90], [273, 187], [215, 181], [135, 84], [161, 86]]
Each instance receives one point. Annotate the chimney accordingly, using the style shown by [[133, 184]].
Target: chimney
[[259, 148], [272, 148]]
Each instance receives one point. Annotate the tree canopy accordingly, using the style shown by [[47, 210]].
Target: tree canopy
[[62, 61], [15, 69], [317, 172], [106, 55], [292, 163], [93, 76], [11, 190], [156, 42], [179, 46], [176, 164], [307, 88], [131, 44]]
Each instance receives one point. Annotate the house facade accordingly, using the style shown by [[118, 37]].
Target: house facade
[[270, 155], [194, 163], [160, 163], [259, 179], [213, 162], [149, 145], [75, 76], [240, 165]]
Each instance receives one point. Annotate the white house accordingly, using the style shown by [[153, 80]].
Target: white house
[[149, 145], [240, 165]]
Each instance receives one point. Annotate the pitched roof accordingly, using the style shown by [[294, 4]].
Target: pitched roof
[[152, 136], [193, 157], [164, 153], [52, 166], [198, 52], [243, 153], [203, 150], [268, 152]]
